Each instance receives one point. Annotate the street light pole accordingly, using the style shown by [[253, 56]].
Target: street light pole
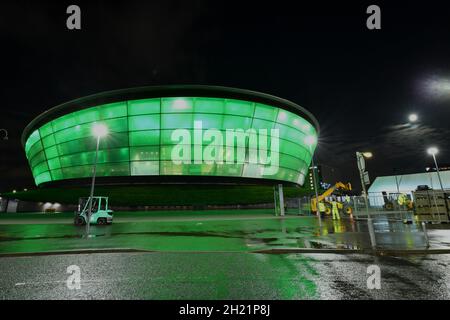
[[88, 222], [361, 167], [99, 131], [437, 171], [360, 161], [310, 140], [396, 180], [433, 151], [315, 189]]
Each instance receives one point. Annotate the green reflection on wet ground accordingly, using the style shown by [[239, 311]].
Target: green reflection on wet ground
[[191, 235], [238, 234]]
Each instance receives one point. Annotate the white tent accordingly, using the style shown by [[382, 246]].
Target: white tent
[[409, 182]]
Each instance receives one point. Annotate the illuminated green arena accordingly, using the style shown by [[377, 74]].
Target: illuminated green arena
[[140, 145]]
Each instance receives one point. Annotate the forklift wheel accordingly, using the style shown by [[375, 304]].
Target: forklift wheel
[[101, 221], [348, 210], [327, 209]]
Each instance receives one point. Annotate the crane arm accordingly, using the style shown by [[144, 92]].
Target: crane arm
[[328, 192]]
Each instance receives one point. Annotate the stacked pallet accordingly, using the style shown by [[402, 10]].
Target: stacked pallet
[[432, 206]]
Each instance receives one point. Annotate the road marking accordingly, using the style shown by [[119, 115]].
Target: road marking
[[20, 284]]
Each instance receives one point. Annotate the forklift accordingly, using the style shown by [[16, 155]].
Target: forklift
[[340, 189], [100, 214]]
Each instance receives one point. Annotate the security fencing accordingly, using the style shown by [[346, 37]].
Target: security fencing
[[379, 221], [298, 206], [355, 206]]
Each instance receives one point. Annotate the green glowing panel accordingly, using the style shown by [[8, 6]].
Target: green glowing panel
[[103, 170], [46, 129], [290, 162], [166, 152], [144, 122], [32, 140], [38, 158], [177, 105], [42, 178], [117, 125], [234, 122], [35, 149], [209, 105], [142, 140], [76, 146], [57, 174], [144, 106], [290, 134], [209, 121], [241, 108], [54, 163], [113, 110], [49, 141], [176, 121], [252, 170], [263, 124], [166, 136], [144, 168], [266, 112], [170, 168], [73, 133], [77, 172], [64, 122], [40, 168], [144, 153], [307, 158], [88, 158], [229, 170], [51, 152], [89, 115]]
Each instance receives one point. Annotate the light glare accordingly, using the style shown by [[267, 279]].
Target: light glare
[[413, 117], [180, 104], [310, 140], [432, 150], [99, 130]]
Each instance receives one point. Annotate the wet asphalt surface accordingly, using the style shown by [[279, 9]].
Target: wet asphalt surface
[[205, 234], [224, 276], [214, 259]]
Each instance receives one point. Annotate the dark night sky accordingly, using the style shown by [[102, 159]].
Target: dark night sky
[[360, 84]]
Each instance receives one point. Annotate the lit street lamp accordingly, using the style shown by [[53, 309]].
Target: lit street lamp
[[311, 140], [413, 117], [433, 151], [99, 131]]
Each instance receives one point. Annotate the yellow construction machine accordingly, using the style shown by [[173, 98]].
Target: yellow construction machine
[[340, 189]]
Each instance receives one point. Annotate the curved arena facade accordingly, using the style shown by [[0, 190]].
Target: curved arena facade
[[158, 133]]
